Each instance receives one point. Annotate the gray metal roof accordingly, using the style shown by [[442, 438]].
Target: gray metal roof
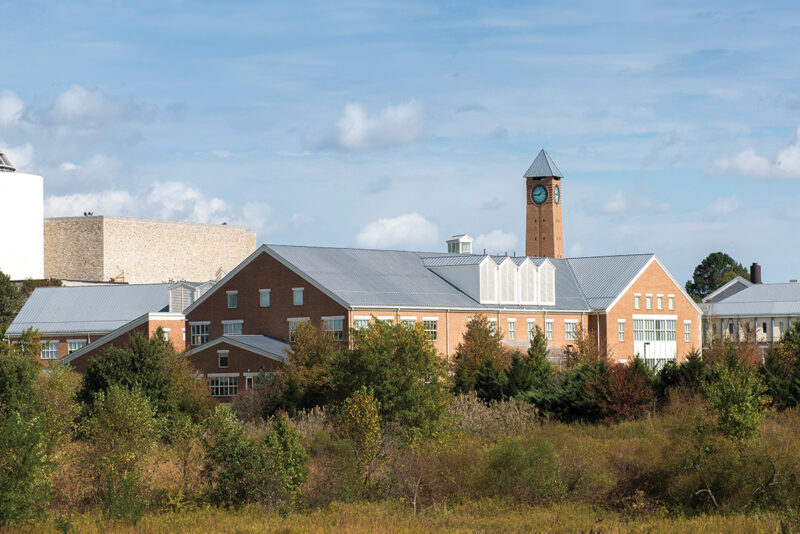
[[759, 300], [270, 345], [603, 278], [450, 260], [728, 289], [542, 167], [88, 309]]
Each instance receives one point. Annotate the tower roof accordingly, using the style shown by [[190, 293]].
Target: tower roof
[[543, 166]]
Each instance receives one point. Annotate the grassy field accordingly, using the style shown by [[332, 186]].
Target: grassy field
[[482, 517]]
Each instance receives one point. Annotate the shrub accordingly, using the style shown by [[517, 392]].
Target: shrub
[[480, 348], [17, 375], [334, 473], [360, 423], [527, 474], [121, 431], [739, 398], [287, 460], [507, 417], [781, 374], [570, 399], [623, 392], [25, 468], [312, 351], [56, 392]]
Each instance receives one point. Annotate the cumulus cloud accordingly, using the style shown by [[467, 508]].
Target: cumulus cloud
[[724, 206], [21, 156], [79, 104], [11, 108], [357, 130], [409, 230], [101, 203], [616, 203], [748, 163], [178, 200], [495, 242]]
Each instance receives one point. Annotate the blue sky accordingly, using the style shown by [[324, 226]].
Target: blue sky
[[399, 124]]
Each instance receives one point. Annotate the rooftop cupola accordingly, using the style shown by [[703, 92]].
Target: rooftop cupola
[[459, 244]]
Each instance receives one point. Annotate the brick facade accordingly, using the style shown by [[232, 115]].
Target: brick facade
[[543, 230], [100, 248]]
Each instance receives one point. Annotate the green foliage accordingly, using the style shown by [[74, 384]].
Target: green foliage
[[335, 474], [9, 302], [479, 346], [25, 468], [490, 382], [286, 460], [312, 351], [121, 431], [17, 375], [570, 399], [713, 272], [56, 393], [782, 380], [402, 369], [360, 423], [740, 400], [527, 474]]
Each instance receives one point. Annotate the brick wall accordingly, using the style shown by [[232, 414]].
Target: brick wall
[[99, 248]]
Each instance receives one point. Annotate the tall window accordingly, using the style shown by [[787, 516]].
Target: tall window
[[570, 330], [687, 330], [637, 301], [660, 302], [75, 344], [223, 386], [232, 328], [512, 329], [293, 324], [621, 330], [493, 325], [649, 301], [233, 299], [297, 296], [548, 329], [222, 358], [263, 298], [334, 325], [49, 350], [531, 329], [166, 333], [430, 327], [654, 329], [671, 302], [199, 334]]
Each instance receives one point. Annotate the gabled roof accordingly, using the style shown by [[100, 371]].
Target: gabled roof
[[266, 346], [542, 167], [88, 309], [759, 300], [733, 286], [604, 278]]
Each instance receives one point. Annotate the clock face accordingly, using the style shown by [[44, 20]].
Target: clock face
[[539, 194], [556, 194]]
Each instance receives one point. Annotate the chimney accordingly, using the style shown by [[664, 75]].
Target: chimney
[[755, 273]]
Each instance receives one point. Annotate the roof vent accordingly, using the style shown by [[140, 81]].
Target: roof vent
[[459, 244], [5, 164]]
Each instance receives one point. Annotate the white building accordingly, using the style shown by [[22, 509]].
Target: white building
[[21, 223]]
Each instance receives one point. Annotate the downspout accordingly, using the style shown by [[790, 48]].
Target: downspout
[[447, 333]]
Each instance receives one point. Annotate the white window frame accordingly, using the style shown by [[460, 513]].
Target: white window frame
[[408, 320], [637, 301], [261, 293], [531, 329], [432, 332], [235, 295], [295, 321], [207, 324], [687, 331], [648, 301], [295, 292], [620, 329], [659, 302], [388, 319], [548, 329], [493, 325], [223, 354], [221, 385], [361, 321], [512, 329], [71, 345], [227, 323], [570, 336], [332, 320], [50, 346], [167, 332], [670, 302]]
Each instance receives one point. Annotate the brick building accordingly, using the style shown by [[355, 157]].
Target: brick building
[[141, 251]]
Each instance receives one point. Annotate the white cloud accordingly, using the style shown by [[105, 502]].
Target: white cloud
[[410, 230], [21, 156], [101, 203], [79, 104], [177, 200], [392, 126], [11, 107], [256, 216], [748, 163], [495, 242], [616, 203], [67, 166], [724, 206]]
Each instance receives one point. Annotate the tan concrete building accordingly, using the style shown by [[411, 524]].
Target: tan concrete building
[[141, 251]]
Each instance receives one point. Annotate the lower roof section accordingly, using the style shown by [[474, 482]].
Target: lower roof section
[[266, 346]]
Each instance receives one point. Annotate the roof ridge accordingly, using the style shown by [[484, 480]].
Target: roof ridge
[[612, 256]]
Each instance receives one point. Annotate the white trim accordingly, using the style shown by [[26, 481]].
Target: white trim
[[221, 375], [252, 375], [430, 318], [193, 323], [166, 316], [298, 288], [571, 321], [725, 286], [233, 321], [657, 316], [332, 317], [552, 320], [290, 319], [406, 318], [362, 317], [386, 317], [687, 321], [232, 292], [531, 320], [83, 340], [630, 284], [512, 320], [620, 320]]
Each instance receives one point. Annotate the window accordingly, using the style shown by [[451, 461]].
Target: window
[[671, 302], [548, 329], [621, 330], [493, 325], [293, 324], [224, 386], [570, 330], [660, 302], [387, 319], [49, 350], [360, 322], [222, 358], [430, 325], [531, 329], [408, 321], [764, 327], [334, 325], [512, 329], [297, 296], [649, 301], [75, 344], [687, 331], [232, 328], [730, 327], [166, 333], [248, 382], [654, 329], [233, 299], [263, 298], [637, 301], [199, 333]]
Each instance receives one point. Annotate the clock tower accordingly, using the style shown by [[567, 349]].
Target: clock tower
[[543, 234]]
